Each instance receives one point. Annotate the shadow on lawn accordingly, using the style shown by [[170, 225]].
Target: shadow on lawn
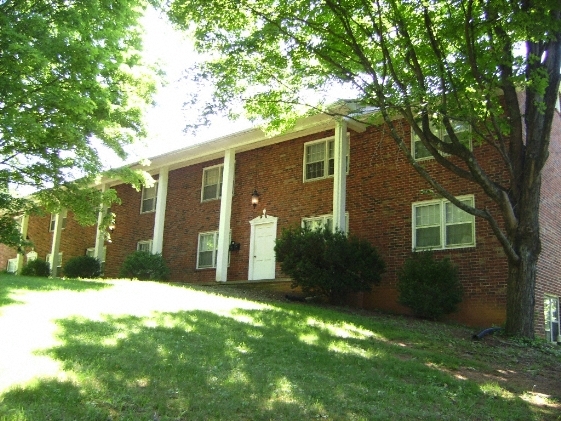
[[11, 283], [248, 365]]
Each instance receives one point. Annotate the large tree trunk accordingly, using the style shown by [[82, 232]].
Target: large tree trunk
[[522, 273], [521, 294]]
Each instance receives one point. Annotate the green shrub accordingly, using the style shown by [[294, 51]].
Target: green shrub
[[325, 263], [144, 265], [430, 288], [36, 267], [82, 267]]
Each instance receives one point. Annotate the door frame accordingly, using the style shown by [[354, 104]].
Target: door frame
[[260, 220]]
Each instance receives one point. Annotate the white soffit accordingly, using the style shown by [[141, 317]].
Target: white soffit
[[241, 142]]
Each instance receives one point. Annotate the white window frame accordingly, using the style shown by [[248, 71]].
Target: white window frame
[[90, 251], [214, 251], [441, 134], [550, 319], [48, 260], [153, 198], [442, 225], [218, 186], [12, 266], [326, 141], [140, 245], [53, 219], [323, 220]]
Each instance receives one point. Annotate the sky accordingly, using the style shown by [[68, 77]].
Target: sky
[[166, 121]]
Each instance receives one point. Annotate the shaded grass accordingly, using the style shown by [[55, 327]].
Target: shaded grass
[[219, 358]]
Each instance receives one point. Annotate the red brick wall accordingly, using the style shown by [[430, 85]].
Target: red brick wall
[[548, 279], [74, 241], [6, 253], [131, 226], [381, 187]]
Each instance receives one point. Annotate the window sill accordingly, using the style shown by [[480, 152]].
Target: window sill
[[466, 246]]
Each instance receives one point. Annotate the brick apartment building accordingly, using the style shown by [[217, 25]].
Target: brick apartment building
[[324, 171]]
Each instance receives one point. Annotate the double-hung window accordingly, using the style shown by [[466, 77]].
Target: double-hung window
[[207, 250], [59, 263], [91, 253], [148, 202], [439, 224], [144, 245], [212, 182], [461, 129], [323, 221], [551, 313], [319, 159], [12, 266], [53, 219]]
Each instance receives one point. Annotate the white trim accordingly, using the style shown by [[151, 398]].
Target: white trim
[[340, 167], [549, 318], [55, 245], [160, 217], [218, 186], [260, 220], [12, 266], [141, 243], [442, 224], [53, 217], [440, 133], [154, 198], [23, 222], [49, 261], [90, 251], [324, 218], [214, 251], [223, 255], [326, 141]]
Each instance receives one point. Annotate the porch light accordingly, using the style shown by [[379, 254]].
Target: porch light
[[254, 198]]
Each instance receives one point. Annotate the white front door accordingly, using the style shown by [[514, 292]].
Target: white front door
[[262, 248]]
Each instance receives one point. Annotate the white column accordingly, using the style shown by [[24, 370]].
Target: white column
[[55, 247], [100, 235], [225, 215], [340, 176], [23, 231], [158, 238]]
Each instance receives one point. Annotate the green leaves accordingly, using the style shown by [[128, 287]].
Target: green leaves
[[71, 76]]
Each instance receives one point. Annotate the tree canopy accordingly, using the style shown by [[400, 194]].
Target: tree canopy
[[441, 66], [71, 79]]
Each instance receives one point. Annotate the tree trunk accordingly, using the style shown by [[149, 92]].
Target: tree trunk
[[521, 295], [526, 241]]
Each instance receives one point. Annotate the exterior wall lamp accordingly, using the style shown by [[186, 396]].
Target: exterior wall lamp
[[254, 198]]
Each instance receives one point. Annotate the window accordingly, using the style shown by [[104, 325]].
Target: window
[[551, 313], [91, 252], [438, 224], [461, 129], [208, 250], [148, 203], [53, 218], [319, 159], [212, 182], [145, 245], [59, 265], [323, 221], [12, 266]]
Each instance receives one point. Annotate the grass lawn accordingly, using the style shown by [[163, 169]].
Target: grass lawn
[[126, 350]]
